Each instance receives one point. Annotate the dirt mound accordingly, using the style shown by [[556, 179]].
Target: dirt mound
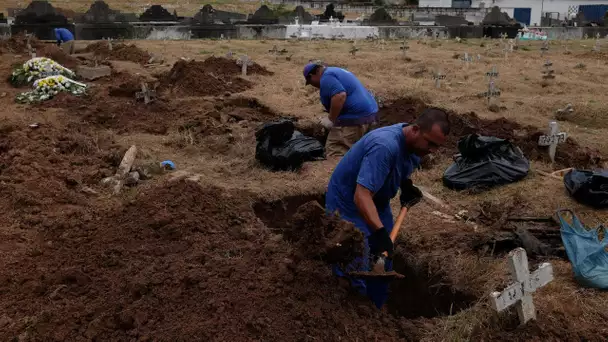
[[58, 55], [570, 154], [194, 78], [121, 52], [228, 66], [18, 44], [148, 269], [42, 170]]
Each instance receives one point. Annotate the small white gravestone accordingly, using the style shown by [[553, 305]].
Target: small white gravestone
[[438, 76], [146, 94], [552, 139], [520, 292], [244, 62]]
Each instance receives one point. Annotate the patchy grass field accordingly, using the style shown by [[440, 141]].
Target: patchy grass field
[[214, 257]]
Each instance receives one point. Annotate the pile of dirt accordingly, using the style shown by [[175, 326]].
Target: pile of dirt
[[121, 52], [17, 43], [213, 76], [43, 170], [570, 154], [149, 268], [58, 55]]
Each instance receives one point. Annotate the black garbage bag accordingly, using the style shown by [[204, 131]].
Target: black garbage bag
[[485, 162], [281, 147], [588, 187]]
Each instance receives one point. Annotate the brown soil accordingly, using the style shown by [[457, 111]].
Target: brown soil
[[18, 44], [149, 269], [121, 52], [213, 76], [570, 154], [58, 55], [42, 170]]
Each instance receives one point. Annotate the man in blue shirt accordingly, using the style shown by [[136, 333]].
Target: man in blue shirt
[[369, 176], [66, 38], [351, 107]]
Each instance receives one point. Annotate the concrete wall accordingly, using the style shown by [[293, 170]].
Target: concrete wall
[[261, 31], [400, 32]]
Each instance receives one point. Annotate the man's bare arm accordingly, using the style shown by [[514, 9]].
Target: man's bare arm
[[337, 103], [367, 208]]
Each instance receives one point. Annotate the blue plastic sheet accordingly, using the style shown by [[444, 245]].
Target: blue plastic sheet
[[587, 253]]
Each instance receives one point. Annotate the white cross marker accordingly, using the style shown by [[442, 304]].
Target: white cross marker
[[526, 283], [109, 43], [438, 76], [244, 62], [553, 137]]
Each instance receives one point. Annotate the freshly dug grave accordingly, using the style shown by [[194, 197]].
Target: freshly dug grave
[[43, 170], [570, 154], [213, 76], [120, 52], [58, 55], [17, 43], [179, 261]]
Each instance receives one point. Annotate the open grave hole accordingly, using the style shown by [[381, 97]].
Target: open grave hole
[[302, 221], [424, 292], [570, 154]]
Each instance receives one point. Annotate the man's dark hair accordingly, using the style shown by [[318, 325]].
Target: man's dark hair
[[434, 116]]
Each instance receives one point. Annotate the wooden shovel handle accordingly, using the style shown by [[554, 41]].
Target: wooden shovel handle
[[398, 223]]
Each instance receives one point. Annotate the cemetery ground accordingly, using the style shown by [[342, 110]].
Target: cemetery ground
[[222, 249]]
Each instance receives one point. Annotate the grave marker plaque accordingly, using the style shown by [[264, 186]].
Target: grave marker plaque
[[552, 139]]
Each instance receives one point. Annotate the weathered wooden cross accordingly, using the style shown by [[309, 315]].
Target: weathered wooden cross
[[466, 58], [353, 50], [586, 36], [147, 94], [520, 292], [545, 48], [597, 47], [229, 54], [438, 76], [244, 62], [404, 47], [274, 51], [109, 43], [548, 72], [493, 92], [552, 139]]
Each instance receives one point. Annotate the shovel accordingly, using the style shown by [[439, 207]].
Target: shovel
[[378, 271]]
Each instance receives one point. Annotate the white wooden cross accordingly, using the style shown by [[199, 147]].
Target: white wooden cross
[[109, 43], [146, 94], [596, 47], [520, 292], [244, 62], [33, 52], [438, 76], [552, 139]]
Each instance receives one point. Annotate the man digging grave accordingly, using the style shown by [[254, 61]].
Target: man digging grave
[[363, 184], [351, 107], [65, 40]]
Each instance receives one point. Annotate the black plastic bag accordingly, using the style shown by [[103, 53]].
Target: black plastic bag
[[485, 162], [588, 187], [281, 147]]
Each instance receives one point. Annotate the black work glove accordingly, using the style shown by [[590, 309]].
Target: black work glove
[[380, 241], [410, 195]]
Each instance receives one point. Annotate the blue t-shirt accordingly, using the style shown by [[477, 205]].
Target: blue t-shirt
[[379, 162], [359, 101], [63, 35]]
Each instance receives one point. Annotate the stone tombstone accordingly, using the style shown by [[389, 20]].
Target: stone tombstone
[[381, 17], [209, 15], [40, 12], [497, 18], [299, 16], [157, 13], [331, 12], [263, 16], [100, 12]]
